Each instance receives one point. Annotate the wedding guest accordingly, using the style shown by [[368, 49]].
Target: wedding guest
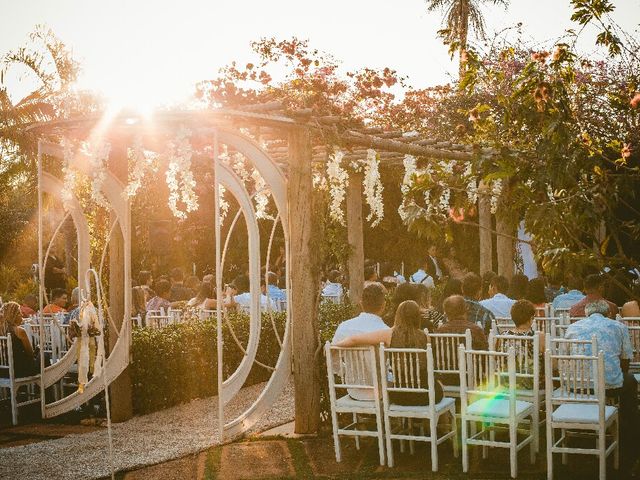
[[422, 276], [431, 318], [434, 266], [29, 305], [476, 313], [370, 275], [179, 292], [205, 299], [518, 287], [573, 296], [274, 292], [24, 363], [452, 287], [486, 284], [553, 288], [535, 293], [594, 289], [192, 283], [498, 303], [145, 280], [55, 275], [238, 295], [405, 333], [333, 287], [74, 309], [631, 308], [161, 299], [138, 303], [58, 302]]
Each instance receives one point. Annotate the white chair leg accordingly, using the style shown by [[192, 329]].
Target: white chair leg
[[14, 405], [380, 438], [563, 433], [387, 430], [454, 437], [535, 429], [434, 444], [465, 447], [616, 438], [336, 437], [513, 448], [533, 449], [602, 456], [412, 449], [549, 448], [356, 437], [485, 449]]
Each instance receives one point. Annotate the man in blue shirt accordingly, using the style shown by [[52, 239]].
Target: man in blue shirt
[[573, 296]]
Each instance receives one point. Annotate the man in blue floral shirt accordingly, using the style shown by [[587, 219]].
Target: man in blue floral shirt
[[476, 313], [613, 340]]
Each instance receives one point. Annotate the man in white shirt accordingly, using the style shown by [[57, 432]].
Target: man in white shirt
[[333, 287], [421, 276], [370, 320], [499, 304]]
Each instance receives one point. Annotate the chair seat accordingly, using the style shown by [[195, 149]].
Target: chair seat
[[637, 377], [440, 406], [499, 408], [580, 413], [348, 403], [451, 388]]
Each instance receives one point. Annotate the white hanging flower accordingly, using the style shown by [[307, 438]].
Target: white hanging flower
[[373, 188], [444, 205], [338, 178], [179, 176], [69, 174], [496, 190], [472, 184], [262, 195], [410, 169], [239, 166], [320, 181], [97, 153], [142, 161], [550, 194], [222, 202]]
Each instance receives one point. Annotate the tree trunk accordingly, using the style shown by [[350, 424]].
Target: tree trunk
[[505, 245], [486, 240], [304, 283], [120, 392], [355, 237]]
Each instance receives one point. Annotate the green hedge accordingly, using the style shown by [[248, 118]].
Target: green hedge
[[177, 363]]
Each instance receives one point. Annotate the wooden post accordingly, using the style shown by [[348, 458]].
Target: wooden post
[[484, 220], [355, 237], [505, 246], [304, 283], [121, 390]]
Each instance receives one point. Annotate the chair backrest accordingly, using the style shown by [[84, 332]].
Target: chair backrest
[[560, 312], [408, 370], [445, 350], [158, 321], [353, 367], [332, 298], [559, 329], [629, 321], [546, 324], [487, 374], [565, 346], [527, 356], [175, 315], [6, 357], [205, 314], [543, 311], [579, 379], [634, 335]]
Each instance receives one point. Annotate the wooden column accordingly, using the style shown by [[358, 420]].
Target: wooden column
[[120, 392], [355, 237], [505, 245], [484, 220], [304, 283]]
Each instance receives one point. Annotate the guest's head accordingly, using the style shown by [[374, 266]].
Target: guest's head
[[272, 278], [10, 317], [522, 313], [487, 277], [206, 291], [574, 282], [404, 292], [455, 307], [209, 277], [598, 306], [408, 315], [594, 284], [59, 297], [334, 276], [242, 284], [518, 287], [373, 298], [138, 300], [192, 282], [535, 291], [163, 288], [472, 286], [370, 274], [423, 295], [452, 287], [177, 276], [30, 301], [498, 284], [145, 278], [75, 297]]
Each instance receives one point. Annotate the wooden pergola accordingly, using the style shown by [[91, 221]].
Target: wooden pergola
[[291, 139]]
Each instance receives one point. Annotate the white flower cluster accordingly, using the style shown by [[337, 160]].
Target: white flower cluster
[[373, 188], [496, 190], [222, 203], [261, 196], [338, 178], [410, 169], [550, 194], [69, 174], [239, 166], [472, 184], [179, 176], [98, 153], [141, 162]]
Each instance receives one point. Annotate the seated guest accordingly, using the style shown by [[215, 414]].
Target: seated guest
[[518, 287], [58, 302], [390, 277], [573, 296], [210, 277], [205, 299], [553, 288], [29, 305], [333, 287], [535, 293], [238, 294], [161, 299], [406, 333], [594, 289], [145, 280], [431, 318], [486, 284], [476, 313], [498, 303], [192, 283], [452, 287], [370, 320], [24, 363], [631, 308], [138, 303], [613, 340], [274, 292], [179, 292], [370, 275], [421, 275], [455, 309]]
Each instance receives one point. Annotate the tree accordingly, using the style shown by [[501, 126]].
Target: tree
[[461, 16]]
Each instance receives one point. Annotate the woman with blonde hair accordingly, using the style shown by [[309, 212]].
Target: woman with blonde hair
[[10, 325]]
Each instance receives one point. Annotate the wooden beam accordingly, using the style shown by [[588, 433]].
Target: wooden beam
[[355, 237], [304, 283]]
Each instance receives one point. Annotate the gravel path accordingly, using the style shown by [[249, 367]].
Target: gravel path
[[143, 440]]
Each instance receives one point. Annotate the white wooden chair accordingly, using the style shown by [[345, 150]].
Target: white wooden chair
[[445, 356], [332, 298], [9, 381], [175, 315], [488, 395], [629, 321], [499, 325], [355, 368], [579, 404], [528, 359], [404, 374], [204, 314], [543, 311], [546, 324], [634, 365]]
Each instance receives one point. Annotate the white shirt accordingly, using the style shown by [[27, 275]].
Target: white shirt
[[363, 323], [332, 290], [422, 277], [244, 300], [500, 305]]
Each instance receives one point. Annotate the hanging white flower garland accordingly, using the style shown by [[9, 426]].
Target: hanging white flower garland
[[179, 176], [496, 190], [261, 196], [373, 188], [410, 170], [97, 153], [142, 162], [69, 174], [337, 179]]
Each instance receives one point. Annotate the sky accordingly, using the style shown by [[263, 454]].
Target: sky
[[143, 51]]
